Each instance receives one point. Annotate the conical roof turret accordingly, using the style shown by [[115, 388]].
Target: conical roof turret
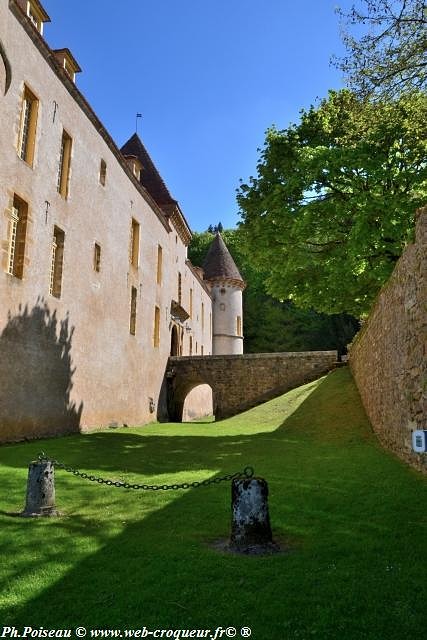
[[150, 178], [219, 264]]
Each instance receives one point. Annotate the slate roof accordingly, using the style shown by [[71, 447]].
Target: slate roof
[[219, 263], [150, 177]]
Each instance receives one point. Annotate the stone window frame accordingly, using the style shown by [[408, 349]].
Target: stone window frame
[[159, 271], [134, 243], [132, 317], [18, 223], [156, 328], [28, 126], [57, 262], [64, 168], [102, 172], [97, 257]]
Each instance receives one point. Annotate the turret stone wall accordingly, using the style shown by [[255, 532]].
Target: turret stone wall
[[388, 357]]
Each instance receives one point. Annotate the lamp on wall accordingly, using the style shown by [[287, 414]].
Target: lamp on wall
[[187, 328]]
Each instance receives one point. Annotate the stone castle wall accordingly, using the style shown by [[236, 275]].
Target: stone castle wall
[[388, 357], [71, 362]]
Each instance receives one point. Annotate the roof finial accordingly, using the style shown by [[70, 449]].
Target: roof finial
[[138, 115]]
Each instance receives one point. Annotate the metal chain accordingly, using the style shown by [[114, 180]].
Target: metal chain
[[247, 472]]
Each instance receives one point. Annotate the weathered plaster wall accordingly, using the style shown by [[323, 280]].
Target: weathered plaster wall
[[242, 381], [388, 357], [109, 375]]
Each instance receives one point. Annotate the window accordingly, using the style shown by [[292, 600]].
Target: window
[[179, 288], [17, 237], [191, 303], [57, 262], [103, 172], [156, 334], [191, 346], [36, 14], [136, 169], [97, 258], [69, 69], [159, 264], [64, 165], [67, 62], [132, 323], [203, 316], [27, 133], [201, 350], [31, 14], [239, 325], [134, 243]]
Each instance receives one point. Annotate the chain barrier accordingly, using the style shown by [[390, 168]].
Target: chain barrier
[[247, 472]]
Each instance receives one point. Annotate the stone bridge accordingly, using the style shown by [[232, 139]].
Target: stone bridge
[[239, 382]]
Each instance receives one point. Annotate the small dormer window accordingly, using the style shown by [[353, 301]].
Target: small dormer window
[[34, 19], [136, 169], [67, 62], [36, 14], [69, 69], [135, 166]]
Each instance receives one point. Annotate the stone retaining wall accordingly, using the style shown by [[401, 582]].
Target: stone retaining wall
[[388, 357]]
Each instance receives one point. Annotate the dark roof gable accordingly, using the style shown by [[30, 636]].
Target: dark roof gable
[[150, 177], [219, 263]]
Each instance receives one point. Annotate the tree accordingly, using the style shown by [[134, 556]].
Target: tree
[[333, 204], [216, 228], [387, 55], [271, 325]]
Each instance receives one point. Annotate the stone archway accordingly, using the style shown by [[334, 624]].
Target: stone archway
[[178, 392], [198, 403]]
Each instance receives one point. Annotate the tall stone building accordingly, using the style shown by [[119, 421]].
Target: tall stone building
[[96, 290]]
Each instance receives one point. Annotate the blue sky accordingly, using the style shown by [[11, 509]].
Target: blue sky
[[208, 76]]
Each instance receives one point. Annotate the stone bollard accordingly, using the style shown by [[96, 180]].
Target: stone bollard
[[250, 528], [40, 490]]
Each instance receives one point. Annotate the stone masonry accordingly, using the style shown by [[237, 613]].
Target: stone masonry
[[388, 357], [239, 382]]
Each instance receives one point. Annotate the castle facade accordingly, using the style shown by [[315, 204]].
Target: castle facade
[[96, 291]]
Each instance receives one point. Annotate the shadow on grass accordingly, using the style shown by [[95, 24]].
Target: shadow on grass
[[128, 559]]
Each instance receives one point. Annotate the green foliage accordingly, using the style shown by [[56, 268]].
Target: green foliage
[[273, 325], [386, 44], [333, 204], [348, 513]]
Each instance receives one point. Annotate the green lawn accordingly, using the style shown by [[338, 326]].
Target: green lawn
[[353, 515]]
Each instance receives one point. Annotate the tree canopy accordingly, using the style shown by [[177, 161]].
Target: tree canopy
[[269, 324], [386, 42], [333, 203]]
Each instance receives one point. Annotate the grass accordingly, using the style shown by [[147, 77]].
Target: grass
[[353, 514]]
